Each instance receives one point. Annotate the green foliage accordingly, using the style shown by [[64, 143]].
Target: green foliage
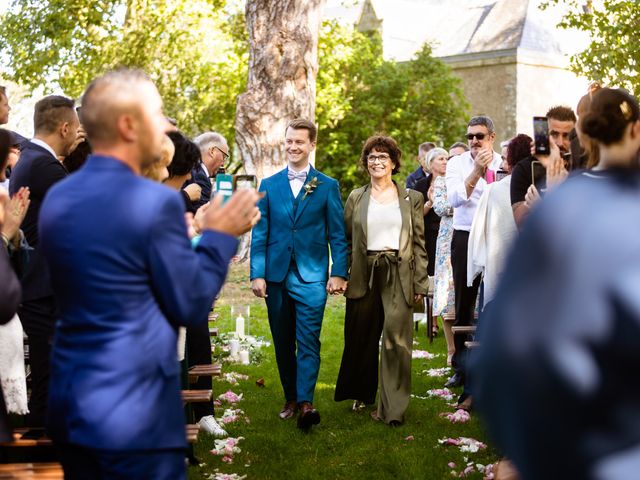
[[192, 49], [197, 53], [360, 94], [613, 55]]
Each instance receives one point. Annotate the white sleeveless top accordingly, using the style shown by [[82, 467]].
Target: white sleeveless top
[[384, 223]]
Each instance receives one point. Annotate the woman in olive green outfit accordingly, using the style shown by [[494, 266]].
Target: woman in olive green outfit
[[388, 274]]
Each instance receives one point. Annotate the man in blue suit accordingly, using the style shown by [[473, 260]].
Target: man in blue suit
[[302, 217], [125, 278], [55, 123]]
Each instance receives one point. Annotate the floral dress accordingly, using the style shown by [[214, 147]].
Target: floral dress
[[443, 295]]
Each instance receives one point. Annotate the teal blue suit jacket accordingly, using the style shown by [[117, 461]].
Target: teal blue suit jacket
[[316, 226]]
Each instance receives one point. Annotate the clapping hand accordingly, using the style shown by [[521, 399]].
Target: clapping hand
[[482, 161], [16, 209]]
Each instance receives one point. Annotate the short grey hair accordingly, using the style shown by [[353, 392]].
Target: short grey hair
[[433, 153], [483, 120], [505, 144], [209, 139]]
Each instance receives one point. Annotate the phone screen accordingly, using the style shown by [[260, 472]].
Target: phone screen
[[541, 135], [224, 185]]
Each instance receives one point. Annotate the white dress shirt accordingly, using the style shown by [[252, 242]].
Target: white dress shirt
[[458, 169], [296, 184], [44, 145]]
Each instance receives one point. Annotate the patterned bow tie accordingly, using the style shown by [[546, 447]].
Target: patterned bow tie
[[296, 175]]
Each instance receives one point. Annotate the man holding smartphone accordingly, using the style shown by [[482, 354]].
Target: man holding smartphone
[[561, 121], [467, 176]]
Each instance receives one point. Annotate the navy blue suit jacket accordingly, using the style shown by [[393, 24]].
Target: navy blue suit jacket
[[38, 170], [414, 177], [198, 176], [125, 277], [317, 225]]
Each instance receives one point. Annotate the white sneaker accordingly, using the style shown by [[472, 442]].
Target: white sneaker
[[210, 425]]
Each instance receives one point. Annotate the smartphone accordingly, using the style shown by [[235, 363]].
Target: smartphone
[[244, 181], [541, 135], [538, 173], [500, 174], [224, 186]]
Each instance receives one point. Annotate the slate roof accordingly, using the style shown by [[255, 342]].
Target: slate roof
[[463, 27]]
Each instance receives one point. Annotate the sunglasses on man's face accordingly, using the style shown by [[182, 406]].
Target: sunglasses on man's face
[[479, 136]]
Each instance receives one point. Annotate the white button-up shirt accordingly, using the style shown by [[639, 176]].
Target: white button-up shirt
[[458, 169]]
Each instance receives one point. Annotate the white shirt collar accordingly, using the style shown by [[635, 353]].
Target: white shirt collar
[[307, 169], [44, 145], [204, 167]]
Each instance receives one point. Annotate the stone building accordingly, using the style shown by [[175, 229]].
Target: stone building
[[509, 54]]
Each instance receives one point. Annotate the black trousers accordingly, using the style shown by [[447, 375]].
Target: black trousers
[[199, 353], [465, 297], [38, 321]]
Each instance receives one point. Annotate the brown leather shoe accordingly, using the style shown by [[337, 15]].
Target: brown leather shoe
[[308, 417], [289, 410]]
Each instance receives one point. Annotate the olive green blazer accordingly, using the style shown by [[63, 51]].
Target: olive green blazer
[[412, 255]]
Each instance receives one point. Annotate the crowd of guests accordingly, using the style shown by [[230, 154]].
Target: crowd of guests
[[115, 288]]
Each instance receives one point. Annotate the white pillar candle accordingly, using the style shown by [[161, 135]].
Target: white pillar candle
[[240, 326], [234, 347], [244, 357]]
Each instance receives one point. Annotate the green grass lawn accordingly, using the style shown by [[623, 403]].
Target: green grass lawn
[[345, 445]]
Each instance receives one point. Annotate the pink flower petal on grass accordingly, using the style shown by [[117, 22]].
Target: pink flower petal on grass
[[409, 438]]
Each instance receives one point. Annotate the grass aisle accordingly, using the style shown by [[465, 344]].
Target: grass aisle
[[345, 445]]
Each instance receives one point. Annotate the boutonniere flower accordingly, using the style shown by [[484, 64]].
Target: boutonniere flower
[[310, 186]]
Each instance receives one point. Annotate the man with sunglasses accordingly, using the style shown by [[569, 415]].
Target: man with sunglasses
[[215, 153], [467, 176]]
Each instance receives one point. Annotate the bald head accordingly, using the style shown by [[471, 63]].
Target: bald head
[[106, 99], [122, 115]]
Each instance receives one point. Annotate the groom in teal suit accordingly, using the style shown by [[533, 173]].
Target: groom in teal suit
[[302, 218]]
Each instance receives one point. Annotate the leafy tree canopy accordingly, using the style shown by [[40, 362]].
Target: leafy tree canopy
[[613, 55], [361, 94], [197, 53], [190, 48]]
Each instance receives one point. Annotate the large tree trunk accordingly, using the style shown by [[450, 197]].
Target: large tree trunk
[[283, 64]]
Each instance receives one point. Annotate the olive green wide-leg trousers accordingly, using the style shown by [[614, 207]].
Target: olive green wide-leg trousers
[[381, 311]]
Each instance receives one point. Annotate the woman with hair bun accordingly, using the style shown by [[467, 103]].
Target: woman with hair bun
[[562, 333]]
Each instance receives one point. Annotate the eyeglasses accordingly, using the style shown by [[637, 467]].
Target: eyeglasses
[[382, 159], [225, 155], [479, 136]]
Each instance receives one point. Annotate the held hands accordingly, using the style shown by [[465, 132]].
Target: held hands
[[237, 216], [259, 287], [16, 209], [336, 285]]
